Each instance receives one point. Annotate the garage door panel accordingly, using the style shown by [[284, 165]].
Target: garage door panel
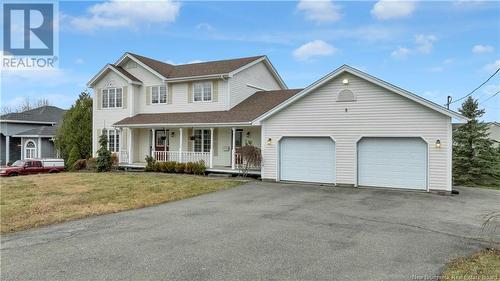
[[307, 159], [392, 162]]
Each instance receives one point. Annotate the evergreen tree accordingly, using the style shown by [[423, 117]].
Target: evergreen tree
[[76, 129], [103, 161], [474, 158], [74, 155]]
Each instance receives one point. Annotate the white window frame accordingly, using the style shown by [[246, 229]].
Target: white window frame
[[32, 150], [202, 139], [203, 93], [158, 93], [116, 136], [107, 92]]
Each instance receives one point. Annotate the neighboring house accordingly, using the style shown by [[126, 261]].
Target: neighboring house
[[493, 131], [29, 134], [347, 128]]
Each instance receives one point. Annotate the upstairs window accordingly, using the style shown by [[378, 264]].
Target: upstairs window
[[202, 91], [159, 94], [112, 98]]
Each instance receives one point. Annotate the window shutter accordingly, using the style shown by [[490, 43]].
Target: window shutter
[[215, 91], [148, 95], [124, 138], [216, 142], [190, 143], [124, 97], [190, 92], [170, 92], [98, 93]]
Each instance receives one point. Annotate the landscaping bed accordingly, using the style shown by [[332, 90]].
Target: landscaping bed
[[30, 201], [484, 265]]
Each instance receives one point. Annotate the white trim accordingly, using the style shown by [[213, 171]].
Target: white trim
[[184, 125], [25, 148], [203, 92], [374, 80], [449, 161], [108, 95], [195, 78], [33, 136], [159, 95], [256, 87], [112, 68], [7, 149], [356, 173]]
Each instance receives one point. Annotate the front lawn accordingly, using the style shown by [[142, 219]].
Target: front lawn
[[30, 201], [484, 265]]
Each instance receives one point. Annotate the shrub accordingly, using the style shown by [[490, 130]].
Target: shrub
[[189, 169], [180, 167], [114, 160], [150, 162], [91, 163], [163, 167], [170, 166], [157, 167], [103, 163], [199, 168], [79, 164], [74, 155]]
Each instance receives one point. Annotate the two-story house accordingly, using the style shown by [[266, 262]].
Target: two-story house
[[346, 128]]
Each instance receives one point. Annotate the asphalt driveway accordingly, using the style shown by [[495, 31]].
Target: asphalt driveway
[[260, 231]]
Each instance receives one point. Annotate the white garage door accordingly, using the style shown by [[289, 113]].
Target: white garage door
[[307, 159], [392, 162]]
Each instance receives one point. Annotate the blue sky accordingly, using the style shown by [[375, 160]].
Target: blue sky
[[433, 49]]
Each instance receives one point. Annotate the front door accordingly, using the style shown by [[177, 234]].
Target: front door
[[238, 143], [161, 142]]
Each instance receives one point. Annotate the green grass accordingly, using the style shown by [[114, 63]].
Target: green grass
[[484, 265], [30, 201]]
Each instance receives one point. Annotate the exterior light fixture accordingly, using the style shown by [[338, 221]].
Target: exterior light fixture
[[269, 141], [248, 134], [345, 81], [173, 134], [438, 144]]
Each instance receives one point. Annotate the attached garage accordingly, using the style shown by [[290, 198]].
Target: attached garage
[[309, 159], [392, 162]]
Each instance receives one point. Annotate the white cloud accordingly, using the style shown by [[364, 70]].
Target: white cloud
[[79, 61], [401, 53], [492, 67], [205, 26], [482, 49], [313, 49], [390, 9], [425, 43], [125, 14], [319, 11]]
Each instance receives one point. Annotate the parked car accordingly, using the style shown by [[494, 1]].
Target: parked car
[[33, 166]]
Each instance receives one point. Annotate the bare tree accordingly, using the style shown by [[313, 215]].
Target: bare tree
[[26, 104]]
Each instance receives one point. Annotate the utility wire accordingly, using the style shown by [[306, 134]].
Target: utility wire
[[477, 87], [489, 98]]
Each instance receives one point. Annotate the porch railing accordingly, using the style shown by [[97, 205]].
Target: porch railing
[[123, 157], [182, 156], [240, 162]]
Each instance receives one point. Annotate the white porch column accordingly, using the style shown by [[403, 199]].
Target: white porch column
[[180, 145], [153, 142], [211, 147], [39, 152], [7, 149], [130, 146], [22, 148], [233, 149], [120, 145]]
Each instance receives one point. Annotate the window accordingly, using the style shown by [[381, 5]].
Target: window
[[30, 150], [159, 94], [112, 98], [202, 141], [113, 140], [202, 91]]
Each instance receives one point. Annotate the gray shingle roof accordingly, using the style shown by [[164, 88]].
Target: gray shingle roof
[[41, 131], [49, 114]]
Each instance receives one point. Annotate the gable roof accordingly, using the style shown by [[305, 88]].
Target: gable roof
[[118, 70], [41, 115], [245, 112], [345, 68]]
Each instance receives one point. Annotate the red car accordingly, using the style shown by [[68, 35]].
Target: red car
[[33, 166]]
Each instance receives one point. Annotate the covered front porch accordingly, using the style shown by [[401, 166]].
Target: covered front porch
[[217, 147]]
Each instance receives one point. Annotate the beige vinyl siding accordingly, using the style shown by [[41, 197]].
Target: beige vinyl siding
[[106, 117], [377, 112], [256, 75]]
